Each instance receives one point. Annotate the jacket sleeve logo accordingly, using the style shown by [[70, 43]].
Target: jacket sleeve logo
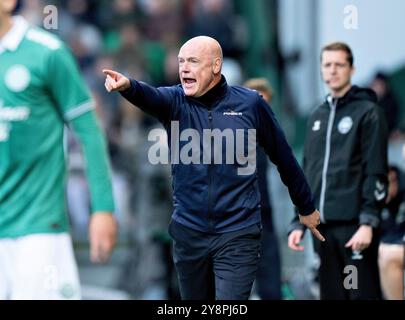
[[379, 191]]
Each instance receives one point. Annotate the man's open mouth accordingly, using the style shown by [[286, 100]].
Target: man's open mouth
[[189, 80]]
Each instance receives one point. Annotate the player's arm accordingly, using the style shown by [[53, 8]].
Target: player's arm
[[76, 108], [102, 228]]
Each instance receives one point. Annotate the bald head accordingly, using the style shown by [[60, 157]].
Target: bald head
[[200, 64], [210, 45]]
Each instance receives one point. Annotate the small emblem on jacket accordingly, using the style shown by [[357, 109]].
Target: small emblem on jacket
[[345, 125], [232, 113], [379, 191], [317, 125]]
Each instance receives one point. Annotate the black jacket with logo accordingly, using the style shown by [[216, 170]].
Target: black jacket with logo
[[345, 158], [215, 196]]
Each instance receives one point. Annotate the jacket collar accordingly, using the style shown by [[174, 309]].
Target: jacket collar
[[339, 100], [355, 93], [12, 39], [214, 94]]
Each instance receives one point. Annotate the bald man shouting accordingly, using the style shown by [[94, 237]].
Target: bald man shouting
[[213, 131]]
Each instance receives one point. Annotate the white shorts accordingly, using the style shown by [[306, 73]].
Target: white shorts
[[38, 267]]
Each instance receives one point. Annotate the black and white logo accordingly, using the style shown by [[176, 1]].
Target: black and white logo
[[317, 125], [379, 191]]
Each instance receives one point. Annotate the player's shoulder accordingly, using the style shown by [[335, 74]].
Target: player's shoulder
[[44, 39]]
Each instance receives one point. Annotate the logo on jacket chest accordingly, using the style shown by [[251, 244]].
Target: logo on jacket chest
[[232, 113], [345, 124]]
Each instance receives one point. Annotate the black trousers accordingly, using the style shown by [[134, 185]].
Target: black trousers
[[215, 266], [268, 278], [344, 275]]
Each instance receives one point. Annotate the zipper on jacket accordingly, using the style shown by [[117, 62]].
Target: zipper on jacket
[[332, 104], [210, 217]]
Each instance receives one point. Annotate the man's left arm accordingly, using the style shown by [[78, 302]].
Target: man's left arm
[[271, 137], [373, 139], [102, 228], [76, 108]]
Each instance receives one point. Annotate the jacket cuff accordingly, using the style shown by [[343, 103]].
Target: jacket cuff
[[307, 210], [130, 91], [295, 225], [369, 220]]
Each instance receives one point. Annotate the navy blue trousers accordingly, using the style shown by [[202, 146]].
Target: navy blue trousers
[[215, 266], [268, 278]]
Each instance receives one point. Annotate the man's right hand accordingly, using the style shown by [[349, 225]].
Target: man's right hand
[[115, 81], [102, 236], [294, 240], [311, 222]]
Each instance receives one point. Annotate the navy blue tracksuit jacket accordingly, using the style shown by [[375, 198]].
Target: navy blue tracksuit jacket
[[220, 196]]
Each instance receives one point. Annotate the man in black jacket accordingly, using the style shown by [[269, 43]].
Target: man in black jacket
[[345, 162], [216, 219]]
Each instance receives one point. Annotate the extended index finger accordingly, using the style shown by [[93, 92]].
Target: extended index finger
[[111, 73], [317, 234]]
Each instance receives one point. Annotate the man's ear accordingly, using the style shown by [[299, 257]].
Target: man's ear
[[352, 72], [216, 68]]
